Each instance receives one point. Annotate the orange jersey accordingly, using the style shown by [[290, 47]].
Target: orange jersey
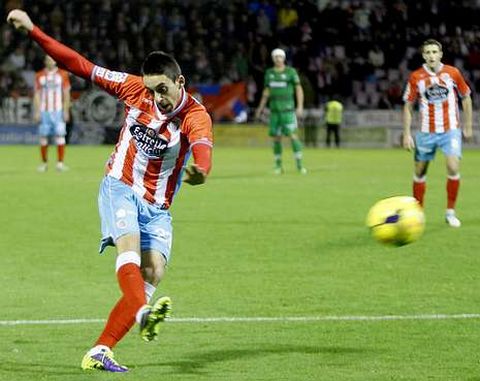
[[437, 94], [153, 147], [50, 85]]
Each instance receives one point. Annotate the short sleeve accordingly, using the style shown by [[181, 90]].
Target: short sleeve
[[266, 81], [461, 84], [197, 127], [411, 92], [295, 77]]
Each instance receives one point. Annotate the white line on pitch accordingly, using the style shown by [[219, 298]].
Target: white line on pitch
[[258, 319]]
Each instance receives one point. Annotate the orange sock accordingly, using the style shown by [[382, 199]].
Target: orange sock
[[419, 187], [122, 316], [120, 321], [453, 183], [61, 152], [44, 153]]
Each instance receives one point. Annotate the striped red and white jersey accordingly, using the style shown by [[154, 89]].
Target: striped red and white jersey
[[153, 148], [50, 85], [437, 94]]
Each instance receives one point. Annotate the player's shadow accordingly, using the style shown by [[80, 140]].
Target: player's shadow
[[197, 363], [30, 371]]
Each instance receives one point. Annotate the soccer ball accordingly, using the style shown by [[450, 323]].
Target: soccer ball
[[396, 220]]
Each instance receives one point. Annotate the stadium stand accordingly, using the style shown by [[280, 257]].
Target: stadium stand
[[362, 50]]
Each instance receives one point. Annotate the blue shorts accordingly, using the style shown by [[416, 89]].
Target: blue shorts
[[122, 211], [426, 144], [51, 124]]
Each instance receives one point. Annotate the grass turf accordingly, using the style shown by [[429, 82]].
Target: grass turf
[[247, 244]]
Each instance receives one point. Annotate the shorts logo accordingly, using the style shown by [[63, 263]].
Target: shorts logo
[[149, 141], [436, 93], [121, 224]]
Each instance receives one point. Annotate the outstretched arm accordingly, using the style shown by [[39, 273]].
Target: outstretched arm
[[70, 59], [121, 85]]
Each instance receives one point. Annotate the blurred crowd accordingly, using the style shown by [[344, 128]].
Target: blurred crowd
[[361, 51]]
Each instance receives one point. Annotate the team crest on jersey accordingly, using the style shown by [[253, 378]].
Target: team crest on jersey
[[436, 93], [149, 141]]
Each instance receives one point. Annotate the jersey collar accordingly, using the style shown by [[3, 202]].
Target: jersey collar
[[440, 67]]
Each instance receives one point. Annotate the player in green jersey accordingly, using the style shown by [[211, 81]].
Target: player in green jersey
[[281, 87]]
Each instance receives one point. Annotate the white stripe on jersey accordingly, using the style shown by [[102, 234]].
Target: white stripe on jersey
[[139, 168], [453, 111], [120, 155]]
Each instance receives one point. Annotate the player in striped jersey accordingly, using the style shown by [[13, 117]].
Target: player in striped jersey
[[437, 87], [163, 126], [52, 109]]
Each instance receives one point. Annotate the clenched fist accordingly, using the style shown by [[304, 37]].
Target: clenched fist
[[20, 20]]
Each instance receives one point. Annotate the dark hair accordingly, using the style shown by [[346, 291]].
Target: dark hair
[[158, 62], [431, 41]]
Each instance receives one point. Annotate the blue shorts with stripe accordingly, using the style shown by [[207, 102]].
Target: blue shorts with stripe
[[426, 144], [122, 211]]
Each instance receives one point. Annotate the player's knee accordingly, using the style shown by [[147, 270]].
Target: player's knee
[[153, 274], [60, 140]]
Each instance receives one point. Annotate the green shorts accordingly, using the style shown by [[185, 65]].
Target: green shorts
[[282, 123]]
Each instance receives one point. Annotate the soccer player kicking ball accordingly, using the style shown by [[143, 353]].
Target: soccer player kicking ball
[[436, 86], [163, 125]]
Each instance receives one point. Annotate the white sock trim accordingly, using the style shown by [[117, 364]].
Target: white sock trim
[[419, 179], [97, 349], [60, 140], [140, 312], [454, 177], [149, 290], [127, 257]]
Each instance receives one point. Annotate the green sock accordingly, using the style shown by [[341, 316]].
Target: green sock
[[277, 153], [297, 152]]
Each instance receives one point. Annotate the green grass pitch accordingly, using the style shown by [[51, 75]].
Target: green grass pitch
[[247, 244]]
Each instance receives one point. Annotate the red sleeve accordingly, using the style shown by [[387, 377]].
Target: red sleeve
[[121, 85], [66, 57], [202, 156], [198, 128]]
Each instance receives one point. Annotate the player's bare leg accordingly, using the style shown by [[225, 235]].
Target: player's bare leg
[[153, 269], [453, 184]]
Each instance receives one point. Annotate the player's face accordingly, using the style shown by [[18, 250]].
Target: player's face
[[167, 93], [278, 60], [432, 55]]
